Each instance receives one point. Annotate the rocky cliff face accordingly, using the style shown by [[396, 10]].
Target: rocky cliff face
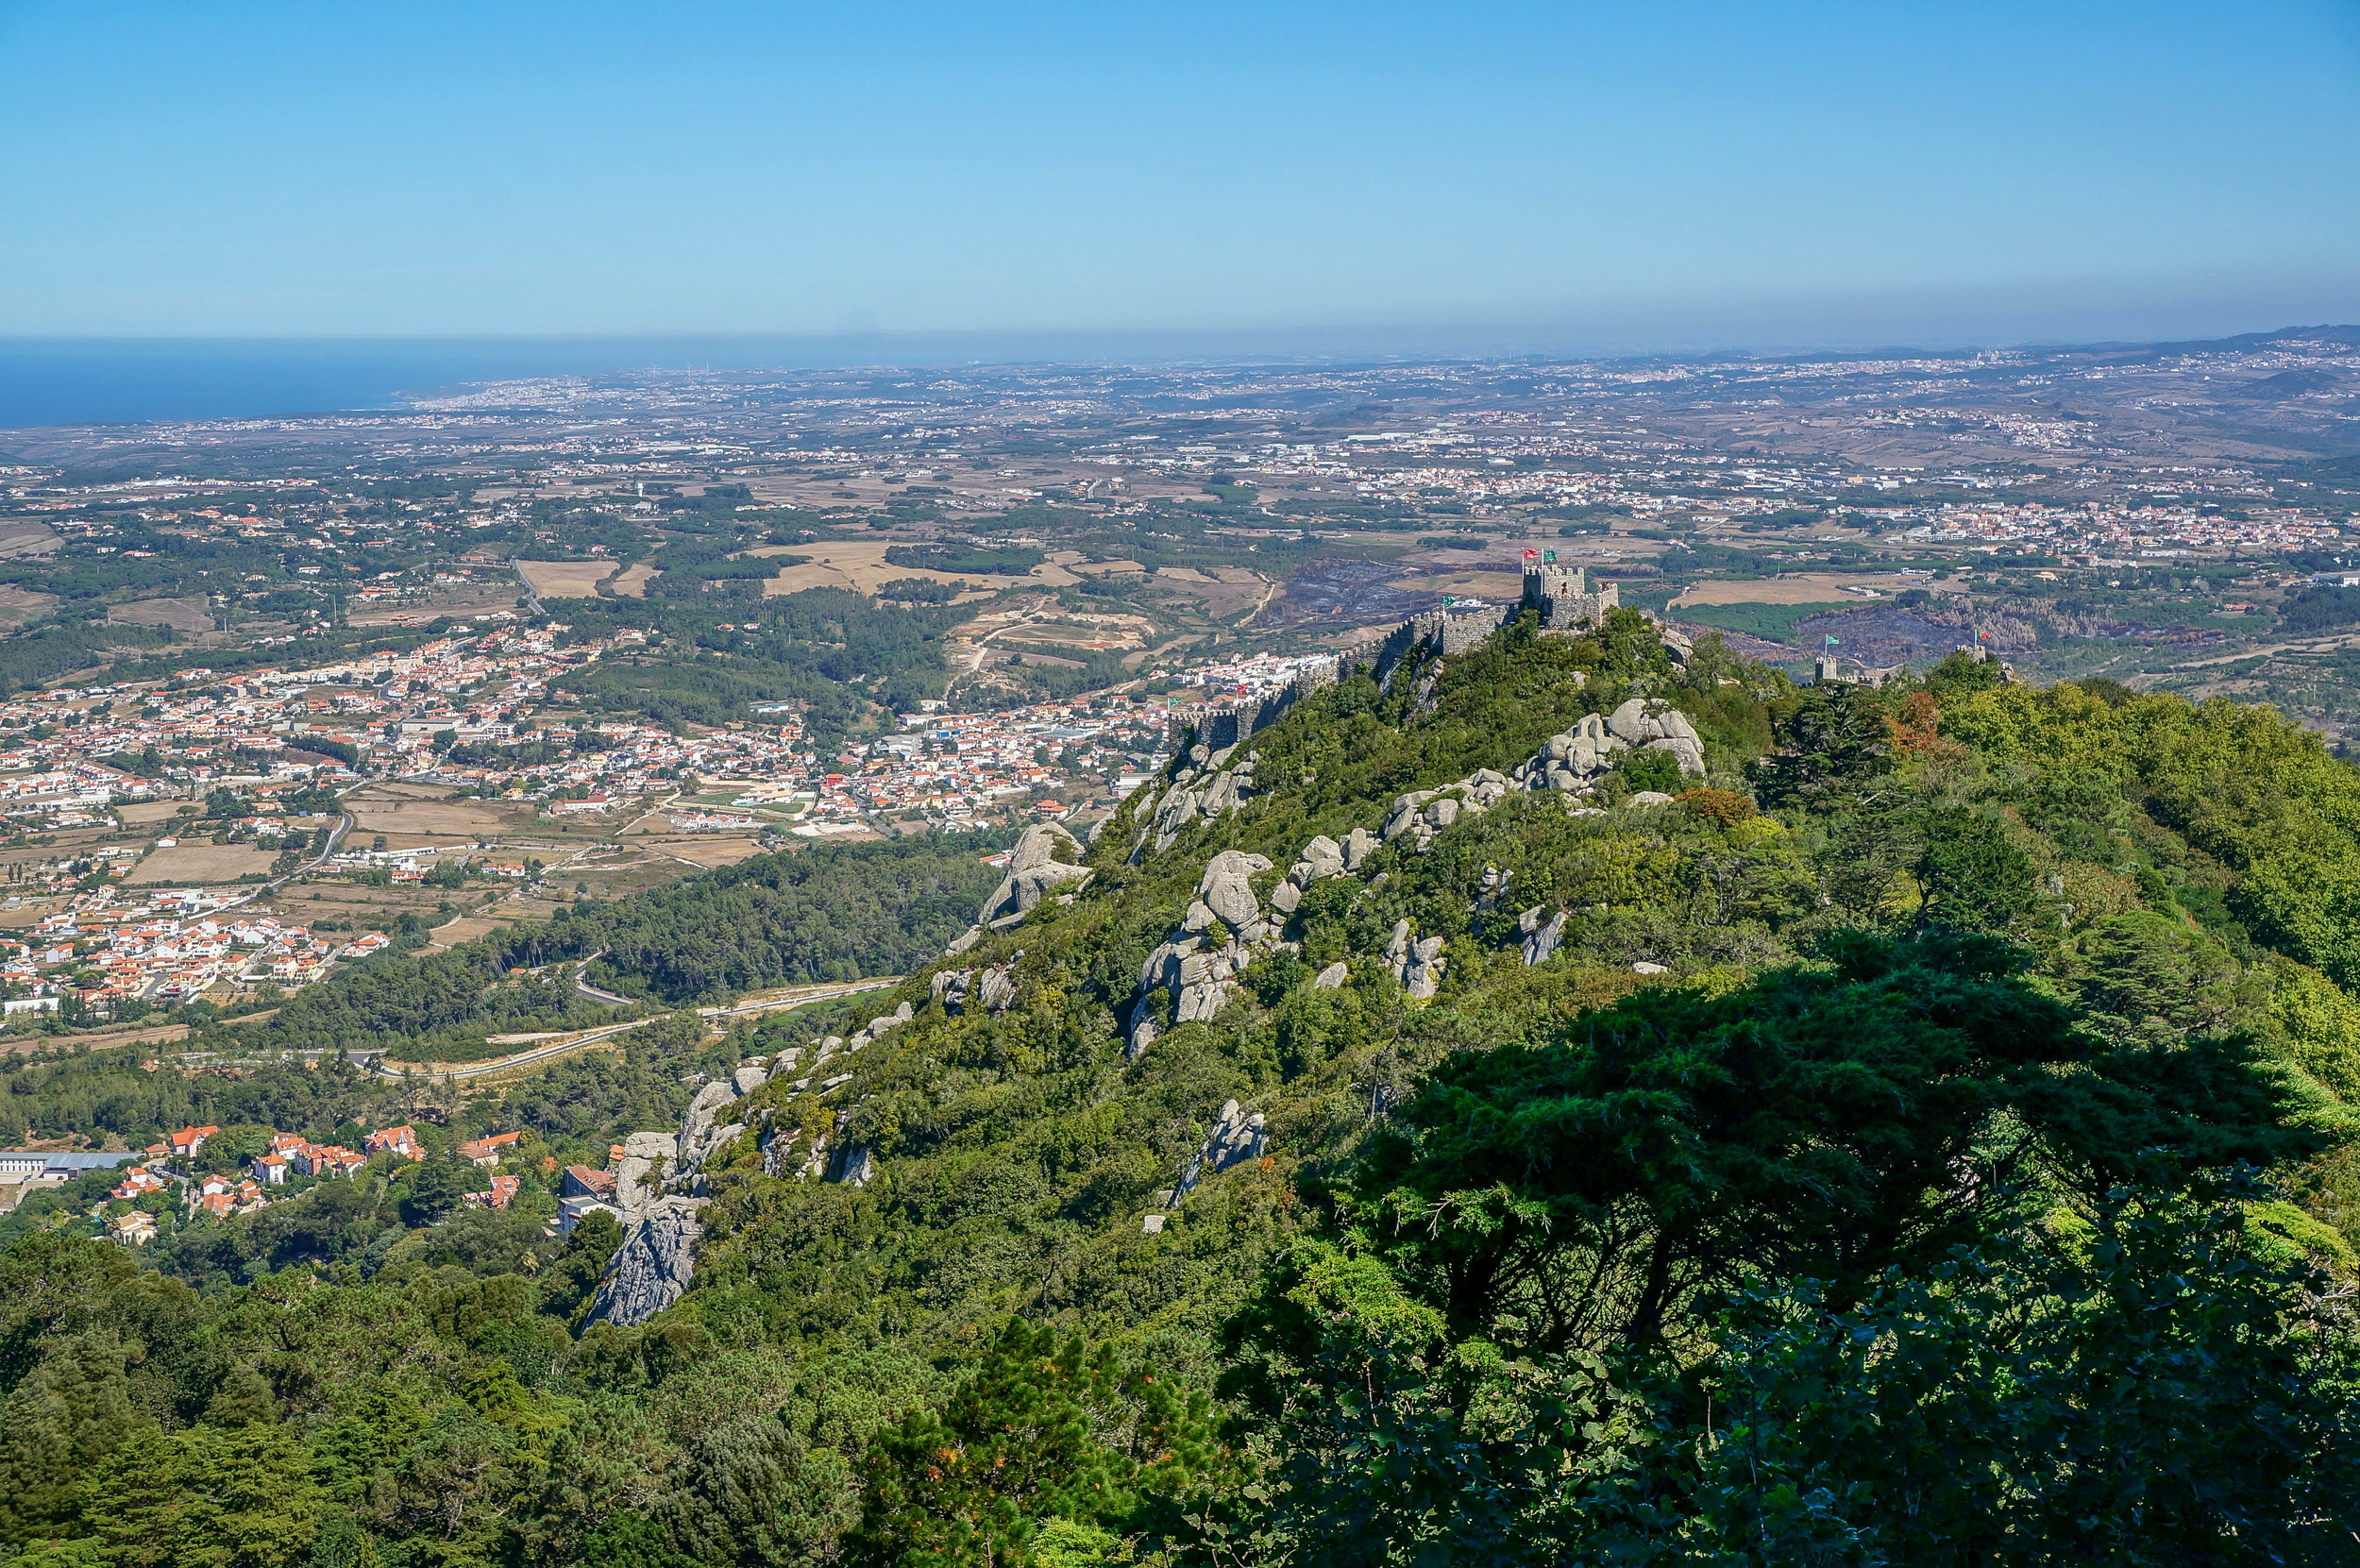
[[658, 1191], [660, 1186], [654, 1265]]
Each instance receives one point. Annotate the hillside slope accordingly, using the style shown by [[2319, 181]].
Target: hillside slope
[[1554, 1103]]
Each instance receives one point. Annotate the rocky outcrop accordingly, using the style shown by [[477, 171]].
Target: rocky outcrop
[[1042, 862], [698, 1128], [649, 1159], [1205, 786], [1225, 889], [660, 1183], [1422, 813], [1197, 965], [1418, 965], [1236, 1138], [1540, 938], [992, 988], [1321, 858], [1569, 762], [654, 1265]]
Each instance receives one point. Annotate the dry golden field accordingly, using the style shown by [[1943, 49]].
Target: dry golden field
[[401, 815], [1794, 588], [181, 615], [198, 865], [567, 579]]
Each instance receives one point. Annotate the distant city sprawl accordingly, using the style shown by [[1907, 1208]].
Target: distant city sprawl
[[278, 693]]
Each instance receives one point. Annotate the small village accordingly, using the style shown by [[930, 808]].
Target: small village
[[176, 1176]]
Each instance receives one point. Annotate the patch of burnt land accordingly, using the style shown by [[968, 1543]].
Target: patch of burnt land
[[1345, 591]]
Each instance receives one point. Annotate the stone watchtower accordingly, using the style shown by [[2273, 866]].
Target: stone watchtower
[[1563, 595]]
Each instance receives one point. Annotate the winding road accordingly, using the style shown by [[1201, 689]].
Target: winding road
[[335, 836], [592, 991], [559, 1048]]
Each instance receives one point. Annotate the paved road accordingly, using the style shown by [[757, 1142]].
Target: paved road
[[532, 597], [525, 1058], [592, 991], [335, 836], [823, 993], [545, 1053]]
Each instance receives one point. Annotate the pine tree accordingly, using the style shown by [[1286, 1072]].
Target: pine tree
[[245, 1399], [60, 1423], [205, 1498]]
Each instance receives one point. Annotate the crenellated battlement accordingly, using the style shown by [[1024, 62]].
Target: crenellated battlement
[[1563, 595]]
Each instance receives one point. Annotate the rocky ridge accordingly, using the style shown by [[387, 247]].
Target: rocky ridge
[[660, 1185], [1189, 976]]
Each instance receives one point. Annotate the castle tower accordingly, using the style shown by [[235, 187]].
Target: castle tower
[[1563, 595]]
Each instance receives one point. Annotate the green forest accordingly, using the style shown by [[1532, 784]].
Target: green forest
[[1931, 1139], [825, 912], [828, 647]]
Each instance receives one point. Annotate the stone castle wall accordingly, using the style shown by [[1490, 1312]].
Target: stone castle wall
[[1230, 725], [1562, 595], [1449, 634], [1564, 598]]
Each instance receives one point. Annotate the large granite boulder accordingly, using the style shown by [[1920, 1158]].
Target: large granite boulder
[[1421, 976], [1540, 938], [652, 1268], [1224, 890], [1041, 862], [648, 1160], [1628, 723], [1236, 1138], [1418, 965], [698, 1132]]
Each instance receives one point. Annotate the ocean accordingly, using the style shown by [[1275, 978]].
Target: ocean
[[124, 380]]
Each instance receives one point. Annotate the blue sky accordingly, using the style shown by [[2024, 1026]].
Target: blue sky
[[1641, 173]]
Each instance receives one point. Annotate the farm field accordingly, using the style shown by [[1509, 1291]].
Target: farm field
[[1496, 587], [181, 615], [859, 564], [701, 849], [18, 537], [1771, 622], [464, 928], [468, 599], [411, 815], [19, 605], [567, 579], [1796, 588], [198, 865]]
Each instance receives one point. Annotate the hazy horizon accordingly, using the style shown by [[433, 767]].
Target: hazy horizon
[[58, 380], [1380, 178]]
